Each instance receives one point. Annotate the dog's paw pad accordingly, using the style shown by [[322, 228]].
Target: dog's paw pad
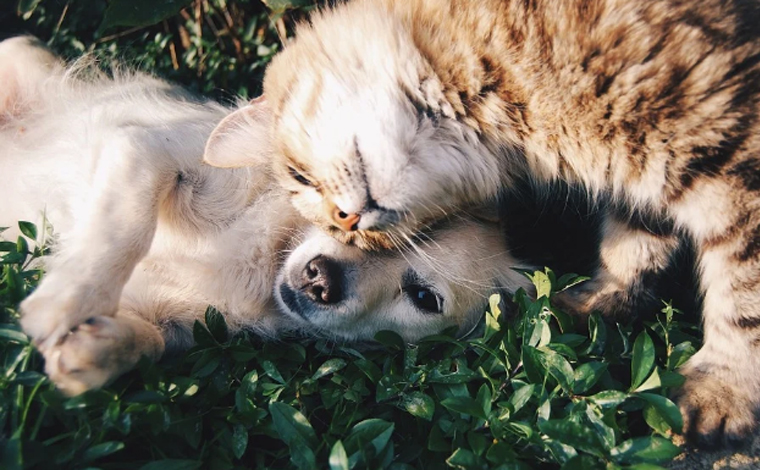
[[89, 356]]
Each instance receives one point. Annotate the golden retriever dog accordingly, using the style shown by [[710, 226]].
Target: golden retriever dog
[[147, 235]]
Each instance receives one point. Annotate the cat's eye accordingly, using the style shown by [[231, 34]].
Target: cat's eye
[[296, 175], [424, 298]]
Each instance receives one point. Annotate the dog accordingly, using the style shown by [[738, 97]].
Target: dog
[[147, 235]]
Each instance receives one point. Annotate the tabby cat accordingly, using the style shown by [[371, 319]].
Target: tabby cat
[[390, 114]]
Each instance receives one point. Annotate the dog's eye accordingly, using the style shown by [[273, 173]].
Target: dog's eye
[[424, 299], [299, 177]]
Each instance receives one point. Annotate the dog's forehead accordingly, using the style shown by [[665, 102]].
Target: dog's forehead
[[462, 246]]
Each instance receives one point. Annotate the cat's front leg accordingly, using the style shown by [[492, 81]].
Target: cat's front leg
[[720, 399], [113, 230], [101, 349], [630, 258]]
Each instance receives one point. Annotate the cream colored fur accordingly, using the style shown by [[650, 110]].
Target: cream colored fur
[[147, 236]]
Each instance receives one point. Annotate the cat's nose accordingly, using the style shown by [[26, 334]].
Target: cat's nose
[[322, 281], [347, 222]]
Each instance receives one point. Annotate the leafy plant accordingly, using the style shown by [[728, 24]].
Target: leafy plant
[[216, 47], [529, 392]]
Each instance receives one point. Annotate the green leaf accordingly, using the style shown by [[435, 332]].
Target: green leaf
[[202, 335], [666, 408], [28, 229], [569, 280], [651, 449], [464, 459], [642, 360], [652, 382], [587, 375], [374, 432], [596, 418], [680, 354], [609, 398], [328, 367], [533, 365], [172, 464], [101, 450], [492, 316], [418, 404], [271, 370], [139, 12], [521, 396], [239, 440], [598, 334], [583, 462], [559, 368], [390, 339], [338, 457], [296, 431], [464, 405], [280, 6], [24, 9], [573, 434], [13, 335], [217, 326], [542, 282]]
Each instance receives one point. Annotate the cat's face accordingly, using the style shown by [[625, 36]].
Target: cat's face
[[363, 164], [363, 135], [443, 281], [358, 156]]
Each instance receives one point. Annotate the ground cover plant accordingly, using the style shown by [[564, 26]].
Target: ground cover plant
[[530, 390]]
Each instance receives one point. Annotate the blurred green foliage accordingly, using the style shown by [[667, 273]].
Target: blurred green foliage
[[215, 47]]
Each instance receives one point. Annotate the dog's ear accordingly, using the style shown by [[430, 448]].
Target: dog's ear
[[25, 66], [242, 138]]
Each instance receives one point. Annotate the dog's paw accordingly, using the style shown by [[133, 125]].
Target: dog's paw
[[91, 355], [717, 412], [60, 305]]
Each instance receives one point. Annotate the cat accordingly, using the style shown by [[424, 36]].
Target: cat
[[389, 115], [147, 236]]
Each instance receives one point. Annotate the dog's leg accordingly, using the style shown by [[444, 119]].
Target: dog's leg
[[114, 229], [101, 349]]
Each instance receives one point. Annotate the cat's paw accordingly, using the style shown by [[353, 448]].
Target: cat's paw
[[717, 411], [59, 305], [91, 355], [611, 299]]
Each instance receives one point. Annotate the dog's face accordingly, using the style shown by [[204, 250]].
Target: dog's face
[[444, 280]]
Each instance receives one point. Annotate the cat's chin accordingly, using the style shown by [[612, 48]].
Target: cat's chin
[[363, 239]]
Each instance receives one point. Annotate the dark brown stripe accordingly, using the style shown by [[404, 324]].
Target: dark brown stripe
[[748, 323], [752, 248], [748, 172]]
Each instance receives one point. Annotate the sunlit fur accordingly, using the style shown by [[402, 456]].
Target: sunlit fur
[[400, 111], [147, 236]]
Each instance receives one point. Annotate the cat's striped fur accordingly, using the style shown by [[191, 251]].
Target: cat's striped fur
[[393, 113]]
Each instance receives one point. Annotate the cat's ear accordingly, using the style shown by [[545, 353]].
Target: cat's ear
[[242, 138]]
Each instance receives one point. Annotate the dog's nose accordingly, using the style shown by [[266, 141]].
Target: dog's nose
[[322, 281], [347, 222]]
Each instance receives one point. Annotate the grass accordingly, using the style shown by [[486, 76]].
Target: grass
[[530, 392]]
